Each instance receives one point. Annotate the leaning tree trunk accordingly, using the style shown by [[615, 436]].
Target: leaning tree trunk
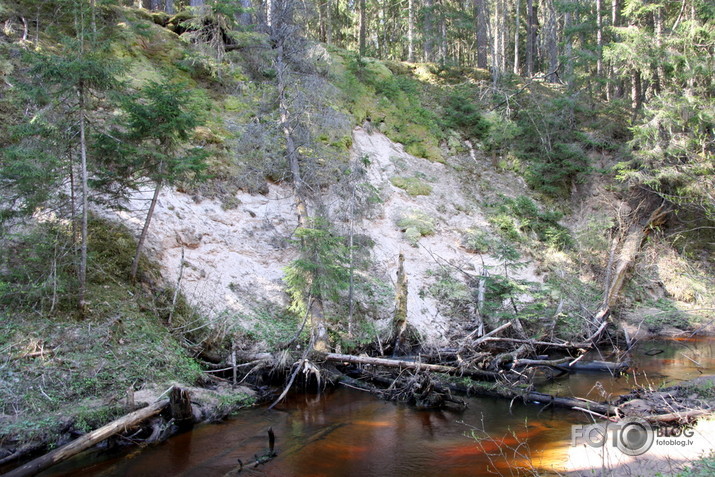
[[63, 453], [648, 216], [147, 223]]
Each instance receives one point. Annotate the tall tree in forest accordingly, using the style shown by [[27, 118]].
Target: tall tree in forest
[[531, 19], [517, 19], [481, 13], [78, 70]]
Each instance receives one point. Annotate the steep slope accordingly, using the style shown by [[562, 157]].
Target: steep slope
[[234, 258]]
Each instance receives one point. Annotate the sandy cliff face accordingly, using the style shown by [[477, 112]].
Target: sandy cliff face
[[234, 259]]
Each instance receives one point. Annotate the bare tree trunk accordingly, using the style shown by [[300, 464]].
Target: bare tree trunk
[[504, 29], [399, 323], [86, 441], [496, 38], [530, 37], [552, 42], [599, 39], [147, 223], [568, 49], [322, 20], [442, 51], [516, 37], [328, 22], [363, 27], [428, 33], [482, 32], [658, 26], [636, 90], [85, 193], [411, 31], [169, 6]]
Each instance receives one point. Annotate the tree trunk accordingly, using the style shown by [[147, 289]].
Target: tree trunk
[[320, 333], [516, 37], [328, 23], [411, 31], [169, 7], [442, 34], [86, 441], [428, 33], [399, 322], [568, 49], [181, 412], [636, 91], [599, 40], [530, 37], [245, 18], [552, 43], [147, 222], [363, 28], [630, 245], [482, 33], [660, 71], [85, 193], [394, 363]]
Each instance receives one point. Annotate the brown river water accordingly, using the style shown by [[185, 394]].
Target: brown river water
[[352, 433]]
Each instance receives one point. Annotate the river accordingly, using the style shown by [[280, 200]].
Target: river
[[348, 432]]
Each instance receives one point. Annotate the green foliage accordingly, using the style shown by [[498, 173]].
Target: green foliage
[[515, 218], [415, 224], [549, 144], [321, 271], [477, 241], [396, 103], [37, 269], [157, 122], [704, 467], [273, 327], [462, 114], [454, 295], [231, 403], [673, 151], [414, 186]]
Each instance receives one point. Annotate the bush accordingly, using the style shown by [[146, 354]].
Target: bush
[[516, 217], [461, 114]]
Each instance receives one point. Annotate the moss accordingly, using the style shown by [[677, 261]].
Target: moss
[[414, 186], [121, 341]]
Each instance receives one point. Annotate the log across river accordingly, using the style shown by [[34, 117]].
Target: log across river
[[352, 433]]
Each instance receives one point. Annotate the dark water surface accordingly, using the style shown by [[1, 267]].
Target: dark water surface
[[352, 433]]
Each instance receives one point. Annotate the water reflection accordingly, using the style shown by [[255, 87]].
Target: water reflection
[[351, 433]]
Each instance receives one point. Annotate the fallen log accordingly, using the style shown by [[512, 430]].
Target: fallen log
[[501, 391], [563, 365], [88, 440], [677, 417], [395, 363], [507, 392]]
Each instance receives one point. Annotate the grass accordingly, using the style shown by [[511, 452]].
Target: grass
[[88, 362], [414, 186], [415, 225]]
